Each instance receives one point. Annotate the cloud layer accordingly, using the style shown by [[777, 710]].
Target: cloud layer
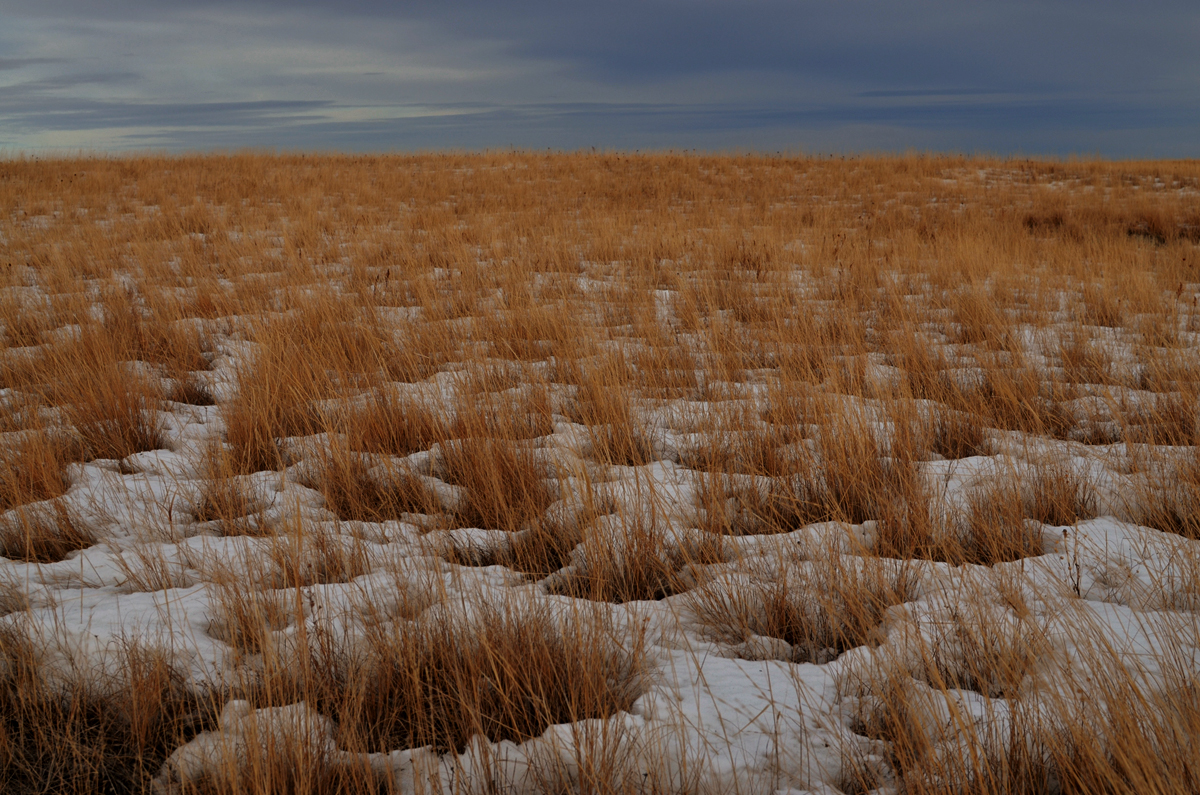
[[1062, 76]]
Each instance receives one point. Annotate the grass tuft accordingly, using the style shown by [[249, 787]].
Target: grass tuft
[[43, 534]]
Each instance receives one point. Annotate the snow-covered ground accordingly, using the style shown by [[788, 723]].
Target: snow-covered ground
[[839, 475], [744, 714]]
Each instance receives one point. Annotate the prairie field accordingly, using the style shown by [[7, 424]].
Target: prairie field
[[599, 473]]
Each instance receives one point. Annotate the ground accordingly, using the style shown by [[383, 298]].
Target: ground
[[599, 473]]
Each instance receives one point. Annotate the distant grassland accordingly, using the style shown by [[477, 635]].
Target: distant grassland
[[871, 276], [810, 334]]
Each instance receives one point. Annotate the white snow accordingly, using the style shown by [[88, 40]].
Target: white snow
[[714, 716]]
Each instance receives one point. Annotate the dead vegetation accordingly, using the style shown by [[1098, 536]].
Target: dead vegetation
[[32, 467], [506, 673], [818, 608], [631, 557], [89, 736], [1101, 730], [409, 346], [46, 534]]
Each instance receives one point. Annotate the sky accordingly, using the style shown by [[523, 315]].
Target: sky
[[1055, 77]]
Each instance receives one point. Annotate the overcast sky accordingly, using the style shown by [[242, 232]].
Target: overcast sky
[[1051, 77]]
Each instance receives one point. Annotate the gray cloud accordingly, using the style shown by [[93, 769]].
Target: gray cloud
[[931, 92], [32, 89], [1059, 76], [88, 115], [8, 64]]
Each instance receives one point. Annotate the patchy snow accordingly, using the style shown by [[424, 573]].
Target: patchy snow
[[715, 715]]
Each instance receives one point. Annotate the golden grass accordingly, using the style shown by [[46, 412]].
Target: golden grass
[[1099, 730], [506, 673], [630, 557], [226, 499], [43, 535], [403, 339], [819, 608], [352, 492], [32, 467], [1172, 503], [80, 735]]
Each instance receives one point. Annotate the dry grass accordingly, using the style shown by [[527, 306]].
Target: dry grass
[[1172, 503], [43, 535], [226, 499], [83, 735], [819, 608], [353, 492], [633, 552], [32, 468], [507, 672], [1103, 730], [786, 340], [995, 529], [506, 485]]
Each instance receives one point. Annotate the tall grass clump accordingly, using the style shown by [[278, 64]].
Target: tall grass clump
[[506, 672], [80, 731]]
